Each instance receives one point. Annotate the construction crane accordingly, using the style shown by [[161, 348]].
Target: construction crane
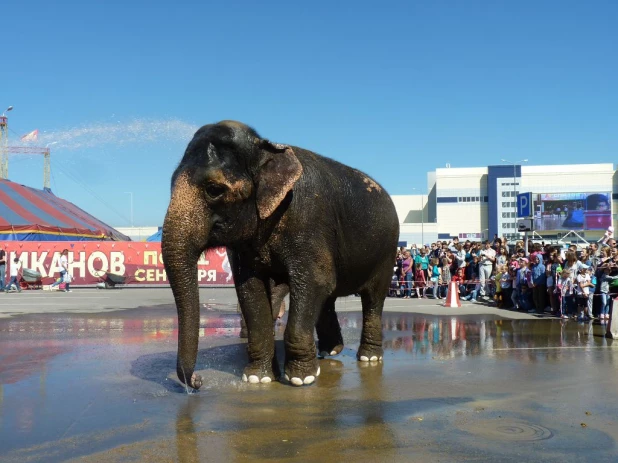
[[5, 150], [31, 150]]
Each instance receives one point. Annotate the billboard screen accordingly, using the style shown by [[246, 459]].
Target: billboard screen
[[572, 211]]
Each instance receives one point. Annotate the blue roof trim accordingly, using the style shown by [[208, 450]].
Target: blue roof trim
[[42, 237]]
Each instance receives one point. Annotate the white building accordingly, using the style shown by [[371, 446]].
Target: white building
[[478, 202]]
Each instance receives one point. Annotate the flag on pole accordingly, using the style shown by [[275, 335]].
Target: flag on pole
[[32, 136]]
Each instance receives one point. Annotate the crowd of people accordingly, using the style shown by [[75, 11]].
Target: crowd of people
[[574, 282]]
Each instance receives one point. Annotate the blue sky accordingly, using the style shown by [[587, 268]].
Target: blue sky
[[393, 88]]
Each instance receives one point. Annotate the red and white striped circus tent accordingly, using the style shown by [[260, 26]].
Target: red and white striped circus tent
[[29, 214]]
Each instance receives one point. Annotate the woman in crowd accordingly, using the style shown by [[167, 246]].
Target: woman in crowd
[[422, 259], [446, 277], [502, 257], [572, 264], [460, 256], [539, 283], [407, 266], [604, 288]]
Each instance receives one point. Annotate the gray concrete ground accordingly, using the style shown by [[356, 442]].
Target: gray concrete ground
[[87, 300], [90, 376]]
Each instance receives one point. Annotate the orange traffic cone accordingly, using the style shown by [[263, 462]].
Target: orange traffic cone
[[452, 298]]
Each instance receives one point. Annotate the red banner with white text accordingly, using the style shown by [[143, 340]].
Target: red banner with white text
[[141, 263]]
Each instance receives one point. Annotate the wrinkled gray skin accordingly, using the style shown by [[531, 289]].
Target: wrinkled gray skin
[[288, 217], [277, 304]]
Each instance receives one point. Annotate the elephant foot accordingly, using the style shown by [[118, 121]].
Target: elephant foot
[[196, 381], [299, 373], [368, 353], [257, 373], [331, 348]]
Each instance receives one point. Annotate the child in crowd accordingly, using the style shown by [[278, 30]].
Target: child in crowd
[[564, 290], [435, 277], [506, 283], [15, 268], [420, 282], [583, 291], [497, 279], [446, 277], [460, 278], [524, 281]]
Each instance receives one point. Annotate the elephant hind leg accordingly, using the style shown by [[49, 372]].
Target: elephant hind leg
[[370, 348], [330, 340]]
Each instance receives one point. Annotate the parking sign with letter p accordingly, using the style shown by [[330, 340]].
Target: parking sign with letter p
[[524, 205]]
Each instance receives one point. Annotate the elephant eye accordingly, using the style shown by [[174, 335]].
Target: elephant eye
[[215, 190]]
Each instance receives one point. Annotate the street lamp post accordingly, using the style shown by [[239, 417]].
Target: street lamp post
[[514, 188], [10, 108], [131, 193], [422, 221]]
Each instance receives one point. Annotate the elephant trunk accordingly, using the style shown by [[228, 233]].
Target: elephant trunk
[[185, 235]]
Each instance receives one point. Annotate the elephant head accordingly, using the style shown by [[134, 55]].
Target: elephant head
[[228, 181]]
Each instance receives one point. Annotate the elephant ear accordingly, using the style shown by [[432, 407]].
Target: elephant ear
[[279, 171]]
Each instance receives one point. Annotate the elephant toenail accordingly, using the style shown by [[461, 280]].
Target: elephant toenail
[[373, 358], [334, 352], [318, 373], [364, 359], [244, 378], [309, 379], [287, 378], [297, 381], [254, 379], [265, 380]]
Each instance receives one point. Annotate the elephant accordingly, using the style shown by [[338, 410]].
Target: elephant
[[287, 216], [277, 304]]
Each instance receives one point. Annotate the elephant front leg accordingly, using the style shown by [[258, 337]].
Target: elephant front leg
[[257, 312]]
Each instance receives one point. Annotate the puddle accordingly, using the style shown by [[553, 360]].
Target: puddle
[[102, 387]]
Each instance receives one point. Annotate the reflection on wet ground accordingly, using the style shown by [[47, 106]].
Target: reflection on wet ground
[[103, 388]]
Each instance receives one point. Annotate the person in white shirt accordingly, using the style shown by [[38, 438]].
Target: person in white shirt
[[15, 268], [487, 257], [64, 271]]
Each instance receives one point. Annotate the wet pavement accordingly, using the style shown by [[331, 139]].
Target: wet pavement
[[471, 387]]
